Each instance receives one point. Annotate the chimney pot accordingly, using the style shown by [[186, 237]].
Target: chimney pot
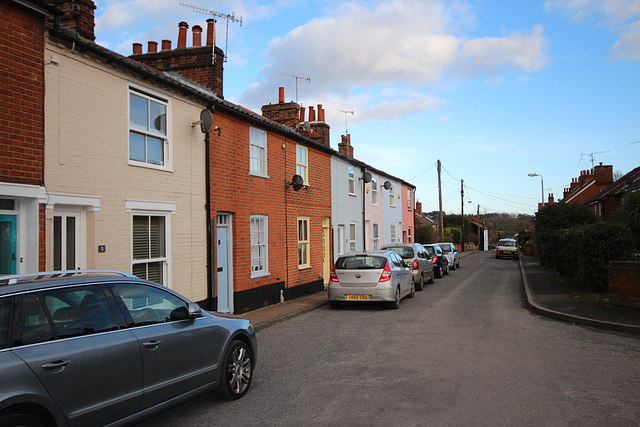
[[166, 44], [320, 113], [301, 114], [153, 47], [211, 31], [137, 48], [197, 35], [312, 114], [182, 34], [281, 94]]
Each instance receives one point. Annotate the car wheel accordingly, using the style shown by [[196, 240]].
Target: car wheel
[[458, 264], [334, 304], [431, 278], [237, 371], [420, 284], [412, 292], [453, 266], [11, 419], [395, 304], [439, 272]]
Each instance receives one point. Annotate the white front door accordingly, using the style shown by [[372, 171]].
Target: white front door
[[224, 270], [67, 240]]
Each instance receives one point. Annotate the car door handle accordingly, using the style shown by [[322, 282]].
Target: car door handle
[[56, 366], [152, 344]]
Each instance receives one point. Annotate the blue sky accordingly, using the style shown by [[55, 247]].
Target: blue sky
[[493, 89]]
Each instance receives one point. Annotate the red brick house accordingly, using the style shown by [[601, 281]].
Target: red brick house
[[606, 203], [22, 193], [590, 183]]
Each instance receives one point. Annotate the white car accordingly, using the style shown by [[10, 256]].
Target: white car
[[452, 254], [507, 248], [377, 276]]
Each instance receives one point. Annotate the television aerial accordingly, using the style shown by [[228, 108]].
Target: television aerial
[[582, 155], [224, 16]]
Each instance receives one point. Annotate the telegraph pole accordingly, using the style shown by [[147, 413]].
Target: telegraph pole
[[440, 198], [462, 211]]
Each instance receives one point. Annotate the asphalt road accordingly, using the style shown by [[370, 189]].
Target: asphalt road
[[463, 352]]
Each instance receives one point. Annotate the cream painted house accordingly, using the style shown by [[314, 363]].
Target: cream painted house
[[124, 169]]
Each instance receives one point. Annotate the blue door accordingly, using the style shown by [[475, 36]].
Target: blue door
[[8, 237]]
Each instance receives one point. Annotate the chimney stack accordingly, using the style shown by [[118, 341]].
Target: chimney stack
[[78, 16], [197, 35], [345, 146], [211, 32], [182, 34]]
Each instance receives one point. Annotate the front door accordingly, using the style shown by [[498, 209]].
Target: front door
[[66, 240], [8, 237], [224, 256]]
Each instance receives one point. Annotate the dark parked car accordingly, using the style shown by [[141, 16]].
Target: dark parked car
[[90, 348], [440, 262]]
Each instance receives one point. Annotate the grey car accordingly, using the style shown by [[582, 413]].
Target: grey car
[[450, 251], [85, 348], [418, 259], [377, 276]]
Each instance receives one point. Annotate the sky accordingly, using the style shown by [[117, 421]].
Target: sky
[[494, 89]]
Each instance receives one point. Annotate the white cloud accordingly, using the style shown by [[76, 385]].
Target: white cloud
[[360, 50], [621, 17]]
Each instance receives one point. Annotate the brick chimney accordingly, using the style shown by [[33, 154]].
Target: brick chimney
[[345, 146], [419, 208], [603, 174], [320, 130], [284, 113], [195, 63], [78, 16]]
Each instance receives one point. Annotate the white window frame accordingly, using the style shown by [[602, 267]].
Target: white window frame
[[351, 173], [374, 190], [304, 246], [154, 208], [340, 239], [409, 204], [167, 146], [259, 230], [409, 235], [394, 233], [164, 260], [392, 195], [353, 236], [376, 236], [302, 165], [258, 152]]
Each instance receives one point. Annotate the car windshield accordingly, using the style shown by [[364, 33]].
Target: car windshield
[[507, 243], [360, 262], [446, 249], [403, 252]]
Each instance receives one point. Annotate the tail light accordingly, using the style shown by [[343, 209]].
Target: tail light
[[416, 264], [386, 273], [334, 276], [435, 259]]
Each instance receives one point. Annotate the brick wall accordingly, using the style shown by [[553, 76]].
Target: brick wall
[[624, 282], [21, 96]]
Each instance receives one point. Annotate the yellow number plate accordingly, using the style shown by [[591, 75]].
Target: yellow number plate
[[358, 297]]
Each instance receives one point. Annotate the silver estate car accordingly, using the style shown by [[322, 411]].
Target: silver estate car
[[420, 260], [375, 276], [88, 348]]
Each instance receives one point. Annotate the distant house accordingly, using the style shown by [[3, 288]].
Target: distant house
[[588, 184], [606, 203]]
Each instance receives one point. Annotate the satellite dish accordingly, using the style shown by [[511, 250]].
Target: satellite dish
[[206, 120], [386, 185], [297, 182], [366, 177], [306, 126]]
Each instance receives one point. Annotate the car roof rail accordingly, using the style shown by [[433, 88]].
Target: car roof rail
[[15, 278]]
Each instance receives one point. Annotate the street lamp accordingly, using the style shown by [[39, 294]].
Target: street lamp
[[541, 186], [478, 223]]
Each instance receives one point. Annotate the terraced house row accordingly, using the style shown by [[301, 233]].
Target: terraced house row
[[139, 164]]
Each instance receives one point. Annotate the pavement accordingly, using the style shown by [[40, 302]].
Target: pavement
[[545, 294]]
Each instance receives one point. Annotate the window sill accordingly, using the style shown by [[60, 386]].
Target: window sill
[[259, 275], [258, 175]]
